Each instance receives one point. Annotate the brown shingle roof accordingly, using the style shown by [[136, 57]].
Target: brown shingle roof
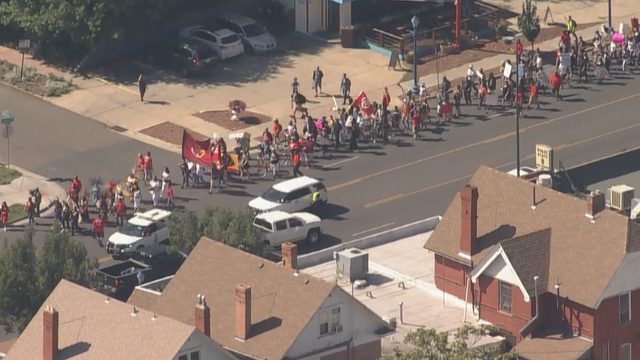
[[90, 328], [282, 304], [530, 255], [553, 347], [6, 345], [583, 255]]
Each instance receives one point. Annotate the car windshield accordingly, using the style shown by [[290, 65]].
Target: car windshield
[[133, 230], [274, 195], [263, 225], [253, 30], [230, 39]]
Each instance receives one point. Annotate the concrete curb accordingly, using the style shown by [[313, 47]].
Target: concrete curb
[[24, 91], [381, 238]]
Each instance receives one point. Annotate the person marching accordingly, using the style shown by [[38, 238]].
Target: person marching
[[386, 99], [533, 97], [98, 229], [556, 84], [296, 163], [75, 218], [120, 211], [5, 215], [148, 167], [29, 209], [170, 203], [317, 80], [166, 182], [315, 198], [137, 198], [142, 86], [155, 191], [345, 88]]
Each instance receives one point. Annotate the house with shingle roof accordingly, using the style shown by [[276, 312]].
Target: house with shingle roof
[[267, 311], [77, 323], [558, 274]]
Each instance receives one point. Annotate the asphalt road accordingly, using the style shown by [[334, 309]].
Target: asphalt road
[[376, 189]]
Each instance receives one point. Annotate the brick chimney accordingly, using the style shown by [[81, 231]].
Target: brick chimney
[[595, 204], [50, 334], [469, 220], [290, 255], [243, 311], [203, 316]]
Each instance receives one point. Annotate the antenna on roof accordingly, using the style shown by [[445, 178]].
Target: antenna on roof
[[134, 312], [153, 318], [306, 281], [261, 266], [200, 299], [295, 273], [533, 204], [106, 301]]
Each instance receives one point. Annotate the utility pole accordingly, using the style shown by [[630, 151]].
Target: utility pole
[[517, 113], [610, 25]]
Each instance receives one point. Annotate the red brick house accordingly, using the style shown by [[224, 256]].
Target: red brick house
[[502, 238]]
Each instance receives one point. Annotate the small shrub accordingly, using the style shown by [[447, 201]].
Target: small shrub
[[56, 88]]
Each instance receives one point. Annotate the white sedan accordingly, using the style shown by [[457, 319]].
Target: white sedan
[[225, 42]]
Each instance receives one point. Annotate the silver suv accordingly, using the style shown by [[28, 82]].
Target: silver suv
[[256, 38]]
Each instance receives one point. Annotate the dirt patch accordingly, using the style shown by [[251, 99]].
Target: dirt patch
[[485, 48], [223, 118], [169, 132]]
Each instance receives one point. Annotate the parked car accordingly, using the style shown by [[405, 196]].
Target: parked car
[[256, 39], [281, 227], [186, 56], [225, 42], [294, 195], [143, 229], [145, 265]]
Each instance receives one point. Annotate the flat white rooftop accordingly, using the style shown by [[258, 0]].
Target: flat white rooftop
[[404, 262]]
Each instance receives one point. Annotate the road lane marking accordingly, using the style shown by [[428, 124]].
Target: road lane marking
[[511, 163], [104, 259], [483, 142], [373, 229], [107, 82], [340, 162]]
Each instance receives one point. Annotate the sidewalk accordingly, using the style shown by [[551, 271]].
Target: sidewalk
[[18, 191]]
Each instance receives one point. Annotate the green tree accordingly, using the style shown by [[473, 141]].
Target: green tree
[[428, 344], [61, 257], [19, 293], [233, 229], [185, 230], [529, 22]]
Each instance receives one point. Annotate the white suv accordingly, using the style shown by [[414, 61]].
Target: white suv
[[143, 229], [281, 227], [225, 42], [294, 195]]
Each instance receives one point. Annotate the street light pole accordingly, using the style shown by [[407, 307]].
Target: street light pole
[[415, 22], [517, 114], [610, 15]]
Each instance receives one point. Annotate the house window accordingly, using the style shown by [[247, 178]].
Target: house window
[[324, 322], [335, 316], [625, 308], [195, 355], [625, 351], [183, 357], [504, 296]]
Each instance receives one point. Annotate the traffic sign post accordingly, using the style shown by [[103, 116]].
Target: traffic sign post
[[23, 45], [7, 131]]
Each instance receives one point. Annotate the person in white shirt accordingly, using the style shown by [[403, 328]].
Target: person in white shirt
[[137, 198], [199, 175], [155, 187], [538, 62], [471, 78], [423, 90], [166, 180]]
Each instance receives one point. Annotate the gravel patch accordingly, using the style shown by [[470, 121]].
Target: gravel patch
[[223, 118], [169, 132]]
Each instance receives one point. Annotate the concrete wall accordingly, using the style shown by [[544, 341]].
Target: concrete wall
[[608, 328], [401, 232], [601, 169]]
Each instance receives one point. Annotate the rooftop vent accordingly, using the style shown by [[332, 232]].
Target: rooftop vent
[[353, 263]]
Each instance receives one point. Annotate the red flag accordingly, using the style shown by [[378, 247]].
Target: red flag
[[363, 103], [196, 150]]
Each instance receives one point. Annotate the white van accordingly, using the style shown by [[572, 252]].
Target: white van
[[143, 229], [294, 195]]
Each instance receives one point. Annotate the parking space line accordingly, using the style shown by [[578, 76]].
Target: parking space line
[[107, 82], [104, 259], [340, 162], [373, 229]]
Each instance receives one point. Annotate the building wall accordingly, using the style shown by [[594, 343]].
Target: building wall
[[288, 4], [316, 15], [488, 300], [577, 316], [455, 276], [609, 331], [367, 351], [207, 347], [357, 323]]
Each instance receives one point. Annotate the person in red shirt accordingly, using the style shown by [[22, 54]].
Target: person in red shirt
[[386, 99], [98, 229], [519, 47], [120, 211], [296, 164], [415, 122], [139, 164], [5, 215], [556, 84], [77, 184], [277, 129], [148, 167], [169, 196], [533, 97]]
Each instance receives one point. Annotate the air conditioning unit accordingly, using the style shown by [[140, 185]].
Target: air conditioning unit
[[545, 180], [353, 263], [620, 197], [544, 157], [391, 320], [336, 328]]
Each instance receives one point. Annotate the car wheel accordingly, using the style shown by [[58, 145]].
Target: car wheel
[[139, 247], [249, 49], [313, 236]]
